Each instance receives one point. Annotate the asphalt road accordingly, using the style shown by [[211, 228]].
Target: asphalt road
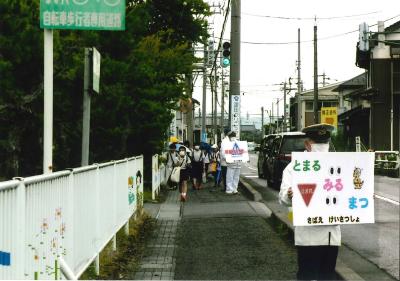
[[379, 242]]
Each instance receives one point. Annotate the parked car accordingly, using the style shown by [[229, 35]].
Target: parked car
[[280, 155], [264, 151], [277, 153]]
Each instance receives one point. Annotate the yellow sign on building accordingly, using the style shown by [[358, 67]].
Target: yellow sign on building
[[329, 115]]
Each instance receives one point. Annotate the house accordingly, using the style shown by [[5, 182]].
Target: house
[[375, 108], [353, 109], [302, 106]]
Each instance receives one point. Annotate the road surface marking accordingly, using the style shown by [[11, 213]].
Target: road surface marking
[[251, 176], [251, 168], [387, 199]]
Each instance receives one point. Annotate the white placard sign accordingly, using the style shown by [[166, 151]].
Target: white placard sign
[[332, 188], [235, 115], [235, 151]]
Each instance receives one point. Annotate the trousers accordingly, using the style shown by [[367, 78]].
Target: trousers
[[232, 179], [317, 262]]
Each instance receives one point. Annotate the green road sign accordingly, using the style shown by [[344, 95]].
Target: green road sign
[[82, 14]]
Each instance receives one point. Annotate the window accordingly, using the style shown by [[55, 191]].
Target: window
[[309, 106], [293, 143]]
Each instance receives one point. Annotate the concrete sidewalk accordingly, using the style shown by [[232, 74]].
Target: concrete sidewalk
[[215, 236]]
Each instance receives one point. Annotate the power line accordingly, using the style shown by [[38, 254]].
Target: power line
[[310, 18], [310, 41]]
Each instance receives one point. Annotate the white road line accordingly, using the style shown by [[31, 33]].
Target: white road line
[[251, 176], [251, 168], [387, 199]]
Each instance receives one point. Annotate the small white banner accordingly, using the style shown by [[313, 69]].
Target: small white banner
[[332, 188], [235, 115], [235, 151]]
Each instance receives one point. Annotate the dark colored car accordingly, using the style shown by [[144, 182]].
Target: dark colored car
[[276, 154], [263, 152], [280, 155]]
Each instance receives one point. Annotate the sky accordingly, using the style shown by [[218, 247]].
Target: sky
[[263, 65]]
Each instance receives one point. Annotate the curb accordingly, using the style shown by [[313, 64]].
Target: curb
[[344, 272]]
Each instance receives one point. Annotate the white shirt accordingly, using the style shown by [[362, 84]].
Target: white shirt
[[309, 235], [198, 156]]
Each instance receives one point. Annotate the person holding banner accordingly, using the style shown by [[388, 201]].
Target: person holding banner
[[317, 246], [233, 169]]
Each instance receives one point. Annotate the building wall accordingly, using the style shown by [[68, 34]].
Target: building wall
[[380, 107]]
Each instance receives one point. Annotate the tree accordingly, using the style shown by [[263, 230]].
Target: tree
[[142, 78]]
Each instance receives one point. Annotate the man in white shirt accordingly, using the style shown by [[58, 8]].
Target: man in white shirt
[[317, 246], [233, 169]]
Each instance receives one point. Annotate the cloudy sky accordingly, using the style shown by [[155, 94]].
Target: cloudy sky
[[263, 65]]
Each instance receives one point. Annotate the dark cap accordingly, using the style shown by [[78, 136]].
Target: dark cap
[[320, 133], [231, 134]]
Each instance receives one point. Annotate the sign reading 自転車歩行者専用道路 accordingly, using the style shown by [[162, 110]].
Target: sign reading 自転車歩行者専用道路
[[332, 188], [82, 14], [235, 151]]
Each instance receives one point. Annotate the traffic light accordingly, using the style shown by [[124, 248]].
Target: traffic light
[[226, 54]]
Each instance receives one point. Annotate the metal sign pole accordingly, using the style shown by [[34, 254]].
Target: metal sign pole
[[48, 103]]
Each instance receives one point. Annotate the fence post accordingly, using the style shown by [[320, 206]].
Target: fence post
[[128, 211], [20, 249], [71, 227], [97, 206], [153, 181], [114, 204]]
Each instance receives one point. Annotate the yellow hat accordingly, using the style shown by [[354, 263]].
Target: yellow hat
[[173, 139]]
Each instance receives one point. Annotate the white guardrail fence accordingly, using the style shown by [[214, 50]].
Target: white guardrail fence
[[65, 218], [158, 176]]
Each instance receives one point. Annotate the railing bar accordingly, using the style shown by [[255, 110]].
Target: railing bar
[[46, 177]]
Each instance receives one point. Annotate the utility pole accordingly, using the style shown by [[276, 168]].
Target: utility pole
[[272, 113], [189, 114], [284, 106], [262, 122], [203, 136], [215, 105], [323, 79], [298, 82], [315, 75], [222, 102], [86, 109], [234, 81]]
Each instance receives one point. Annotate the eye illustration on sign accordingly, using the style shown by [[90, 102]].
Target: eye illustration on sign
[[331, 200], [333, 170], [357, 181]]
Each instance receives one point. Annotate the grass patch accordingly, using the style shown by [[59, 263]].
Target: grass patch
[[119, 264]]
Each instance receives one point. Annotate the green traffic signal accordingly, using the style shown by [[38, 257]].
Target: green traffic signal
[[225, 62]]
